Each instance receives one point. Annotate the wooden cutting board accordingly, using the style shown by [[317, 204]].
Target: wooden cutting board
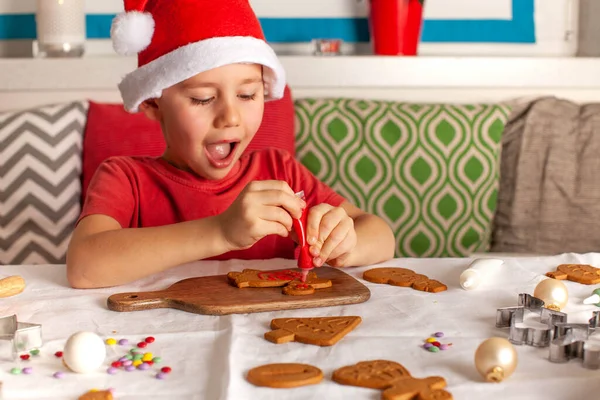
[[213, 295]]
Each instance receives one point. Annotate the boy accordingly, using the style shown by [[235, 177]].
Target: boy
[[204, 74]]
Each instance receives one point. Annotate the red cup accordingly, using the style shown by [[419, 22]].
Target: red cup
[[395, 26]]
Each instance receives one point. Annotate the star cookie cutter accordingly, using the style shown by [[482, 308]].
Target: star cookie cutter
[[17, 336], [570, 342], [509, 317]]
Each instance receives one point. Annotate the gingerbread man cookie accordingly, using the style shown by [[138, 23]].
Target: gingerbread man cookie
[[324, 331], [97, 395], [405, 278], [285, 375], [254, 278], [394, 379], [585, 274]]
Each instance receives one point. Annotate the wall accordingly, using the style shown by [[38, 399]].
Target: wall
[[476, 27]]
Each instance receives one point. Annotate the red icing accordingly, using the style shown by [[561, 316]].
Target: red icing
[[285, 275], [302, 286]]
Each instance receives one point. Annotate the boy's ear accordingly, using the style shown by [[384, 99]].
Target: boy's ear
[[150, 109]]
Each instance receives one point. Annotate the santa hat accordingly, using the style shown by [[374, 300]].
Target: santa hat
[[177, 39]]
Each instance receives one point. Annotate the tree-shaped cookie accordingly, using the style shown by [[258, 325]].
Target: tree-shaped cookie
[[405, 278], [585, 274], [323, 331], [394, 379]]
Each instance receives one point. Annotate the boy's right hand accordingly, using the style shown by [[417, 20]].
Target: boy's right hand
[[263, 208]]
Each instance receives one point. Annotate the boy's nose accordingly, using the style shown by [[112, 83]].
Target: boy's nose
[[228, 117]]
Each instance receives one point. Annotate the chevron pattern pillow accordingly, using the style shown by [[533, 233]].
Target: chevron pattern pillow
[[40, 186], [431, 171]]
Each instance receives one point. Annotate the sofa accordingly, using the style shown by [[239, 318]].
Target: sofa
[[451, 180]]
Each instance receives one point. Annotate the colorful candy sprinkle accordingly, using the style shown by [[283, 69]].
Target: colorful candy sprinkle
[[137, 363], [149, 339], [433, 349], [123, 342], [116, 364], [138, 357], [25, 357], [427, 345], [444, 346], [148, 362], [166, 370], [156, 360], [15, 371], [111, 341], [438, 334], [127, 363], [128, 357], [161, 375], [34, 352], [436, 344], [58, 354], [112, 370], [59, 375], [27, 370], [147, 357], [143, 366], [123, 359], [141, 345], [130, 368], [431, 340]]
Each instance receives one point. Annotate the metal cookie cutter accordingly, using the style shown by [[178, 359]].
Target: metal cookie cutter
[[538, 337], [570, 342], [17, 336]]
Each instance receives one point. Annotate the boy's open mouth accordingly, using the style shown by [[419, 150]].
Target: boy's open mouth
[[221, 154]]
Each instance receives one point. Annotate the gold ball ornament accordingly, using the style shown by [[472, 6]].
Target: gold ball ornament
[[496, 359], [553, 292]]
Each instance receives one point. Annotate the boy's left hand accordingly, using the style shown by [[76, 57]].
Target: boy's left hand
[[331, 235]]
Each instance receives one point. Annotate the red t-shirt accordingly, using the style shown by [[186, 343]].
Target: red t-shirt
[[146, 191]]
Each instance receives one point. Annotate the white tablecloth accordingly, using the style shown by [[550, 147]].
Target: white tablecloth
[[211, 355]]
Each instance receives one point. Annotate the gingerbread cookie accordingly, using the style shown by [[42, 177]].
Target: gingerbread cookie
[[285, 375], [376, 374], [394, 379], [324, 331], [97, 395], [405, 278], [409, 388], [297, 288], [580, 273], [263, 279]]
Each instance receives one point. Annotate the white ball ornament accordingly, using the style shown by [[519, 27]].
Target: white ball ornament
[[84, 352]]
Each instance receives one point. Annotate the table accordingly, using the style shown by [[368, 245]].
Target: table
[[210, 355]]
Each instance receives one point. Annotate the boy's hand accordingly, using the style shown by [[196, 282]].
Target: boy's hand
[[331, 234], [263, 208]]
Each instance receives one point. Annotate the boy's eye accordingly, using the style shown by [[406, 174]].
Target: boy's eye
[[247, 96], [201, 102]]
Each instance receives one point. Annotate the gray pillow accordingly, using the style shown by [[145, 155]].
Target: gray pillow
[[549, 196], [40, 182]]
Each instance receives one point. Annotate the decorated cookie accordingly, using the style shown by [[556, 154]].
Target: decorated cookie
[[405, 278], [285, 375], [394, 379], [376, 374], [293, 279], [256, 278], [324, 331], [97, 395], [585, 274], [296, 288]]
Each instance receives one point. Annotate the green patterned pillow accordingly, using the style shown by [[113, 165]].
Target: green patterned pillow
[[431, 171]]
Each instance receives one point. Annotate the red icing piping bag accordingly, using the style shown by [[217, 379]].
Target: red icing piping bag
[[305, 260]]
